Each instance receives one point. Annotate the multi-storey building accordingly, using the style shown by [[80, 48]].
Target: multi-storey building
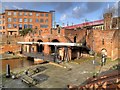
[[2, 23], [12, 21]]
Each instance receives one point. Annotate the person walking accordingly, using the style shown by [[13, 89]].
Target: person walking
[[103, 61]]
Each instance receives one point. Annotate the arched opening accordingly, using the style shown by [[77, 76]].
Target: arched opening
[[75, 39], [40, 47], [52, 47]]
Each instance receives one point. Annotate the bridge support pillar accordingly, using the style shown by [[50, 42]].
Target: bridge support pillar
[[28, 48], [46, 49]]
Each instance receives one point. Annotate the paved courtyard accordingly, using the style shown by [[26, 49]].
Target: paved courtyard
[[59, 76]]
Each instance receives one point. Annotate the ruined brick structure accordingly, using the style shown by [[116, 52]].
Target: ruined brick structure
[[97, 39], [100, 35]]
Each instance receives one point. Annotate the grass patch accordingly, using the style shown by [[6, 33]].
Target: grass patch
[[83, 59]]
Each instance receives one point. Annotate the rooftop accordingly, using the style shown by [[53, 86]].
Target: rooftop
[[25, 10], [97, 22]]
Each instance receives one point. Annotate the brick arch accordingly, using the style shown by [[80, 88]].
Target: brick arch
[[36, 40], [40, 48], [52, 48], [55, 40]]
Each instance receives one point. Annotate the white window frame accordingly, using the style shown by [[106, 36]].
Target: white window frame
[[25, 13], [37, 14], [20, 19], [20, 13], [30, 20], [9, 13], [9, 26], [14, 13], [1, 28], [25, 20], [9, 19], [30, 14]]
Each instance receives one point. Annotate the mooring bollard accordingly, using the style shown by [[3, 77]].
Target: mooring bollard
[[8, 71]]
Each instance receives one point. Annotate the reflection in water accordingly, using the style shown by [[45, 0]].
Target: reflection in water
[[16, 63]]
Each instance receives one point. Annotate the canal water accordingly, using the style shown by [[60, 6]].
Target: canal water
[[16, 63]]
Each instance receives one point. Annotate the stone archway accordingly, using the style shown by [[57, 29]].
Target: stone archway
[[52, 47], [40, 48]]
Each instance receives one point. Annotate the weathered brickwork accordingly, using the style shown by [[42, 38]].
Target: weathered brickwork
[[104, 34]]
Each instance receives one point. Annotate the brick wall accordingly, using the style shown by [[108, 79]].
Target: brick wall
[[107, 39]]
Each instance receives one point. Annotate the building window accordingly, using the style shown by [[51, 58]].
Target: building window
[[20, 26], [20, 13], [37, 20], [14, 14], [30, 14], [9, 13], [15, 25], [44, 26], [30, 26], [30, 20], [46, 15], [0, 22], [25, 26], [20, 19], [25, 20], [9, 19], [25, 14], [9, 25], [46, 21], [14, 19], [41, 20], [41, 14], [37, 14], [0, 27]]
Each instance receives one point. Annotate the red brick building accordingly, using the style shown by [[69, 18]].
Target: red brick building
[[12, 21], [99, 36]]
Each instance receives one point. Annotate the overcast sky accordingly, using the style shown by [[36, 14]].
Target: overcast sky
[[67, 12]]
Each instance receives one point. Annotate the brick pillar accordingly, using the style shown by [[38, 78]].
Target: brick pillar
[[28, 49], [24, 48], [46, 49], [35, 48]]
